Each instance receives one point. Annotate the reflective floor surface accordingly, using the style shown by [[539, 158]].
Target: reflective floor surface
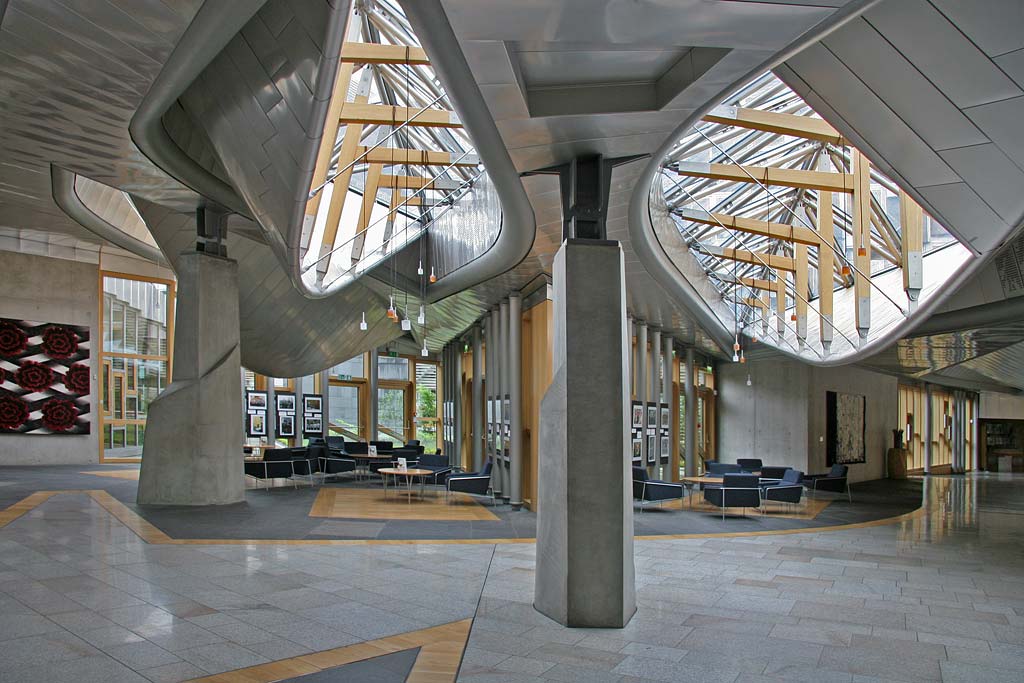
[[938, 595]]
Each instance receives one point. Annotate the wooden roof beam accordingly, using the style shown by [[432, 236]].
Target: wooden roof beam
[[753, 226], [374, 53], [388, 115], [786, 177], [415, 157], [759, 258], [774, 122]]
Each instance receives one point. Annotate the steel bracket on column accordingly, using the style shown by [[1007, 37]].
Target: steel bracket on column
[[585, 183]]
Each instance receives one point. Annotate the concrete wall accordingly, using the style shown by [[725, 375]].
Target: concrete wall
[[1001, 406], [780, 418], [881, 417], [52, 290], [766, 420]]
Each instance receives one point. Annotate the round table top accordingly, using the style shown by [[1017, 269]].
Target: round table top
[[410, 471]]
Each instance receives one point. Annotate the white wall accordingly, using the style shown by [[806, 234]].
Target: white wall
[[995, 406], [780, 418], [52, 290]]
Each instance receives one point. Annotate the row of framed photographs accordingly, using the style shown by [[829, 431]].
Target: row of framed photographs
[[257, 400], [652, 415], [652, 443], [257, 426]]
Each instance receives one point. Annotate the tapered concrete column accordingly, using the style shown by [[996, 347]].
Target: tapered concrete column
[[666, 397], [928, 417], [457, 350], [641, 383], [478, 400], [325, 391], [690, 391], [585, 573], [631, 332], [373, 373], [192, 454], [498, 472], [655, 397], [976, 434], [515, 385], [271, 421], [506, 387], [489, 384]]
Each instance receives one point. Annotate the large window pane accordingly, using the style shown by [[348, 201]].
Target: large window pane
[[391, 415], [389, 367], [135, 323], [353, 367], [343, 404]]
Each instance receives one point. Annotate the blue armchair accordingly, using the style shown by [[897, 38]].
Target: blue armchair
[[473, 483], [736, 491], [749, 464], [438, 466], [834, 481], [788, 490], [721, 468], [652, 490]]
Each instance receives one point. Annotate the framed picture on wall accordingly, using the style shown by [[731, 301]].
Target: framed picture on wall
[[286, 402], [286, 425], [314, 424], [652, 448], [637, 449], [257, 424], [256, 400], [312, 404], [665, 417], [845, 428], [638, 415], [652, 416], [665, 449]]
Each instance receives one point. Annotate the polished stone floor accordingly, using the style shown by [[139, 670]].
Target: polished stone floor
[[938, 595], [287, 513]]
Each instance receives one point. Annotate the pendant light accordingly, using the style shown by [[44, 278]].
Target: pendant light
[[421, 319], [433, 278], [392, 314], [424, 352], [749, 383], [362, 323], [419, 270]]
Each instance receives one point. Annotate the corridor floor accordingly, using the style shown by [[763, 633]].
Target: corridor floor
[[938, 595]]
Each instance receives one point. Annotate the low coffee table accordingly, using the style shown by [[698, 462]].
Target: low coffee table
[[408, 473]]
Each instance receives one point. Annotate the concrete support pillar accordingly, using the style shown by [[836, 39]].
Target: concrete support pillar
[[641, 383], [928, 417], [498, 472], [457, 351], [667, 473], [506, 386], [489, 384], [478, 400], [655, 397], [515, 386], [585, 572], [373, 374], [976, 433], [631, 352], [192, 454], [449, 391], [690, 392], [271, 411]]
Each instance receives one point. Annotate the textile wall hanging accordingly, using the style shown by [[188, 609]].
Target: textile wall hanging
[[44, 378], [845, 428]]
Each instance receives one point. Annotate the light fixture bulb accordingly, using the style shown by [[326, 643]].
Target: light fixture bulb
[[362, 323], [419, 270], [433, 278], [406, 324], [861, 251], [735, 357], [846, 270], [422, 318], [749, 383], [424, 352], [743, 358]]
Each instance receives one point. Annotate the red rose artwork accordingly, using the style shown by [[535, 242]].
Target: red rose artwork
[[59, 414], [45, 378], [34, 376], [59, 342], [13, 339], [13, 413], [77, 379]]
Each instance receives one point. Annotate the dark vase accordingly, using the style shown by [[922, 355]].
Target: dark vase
[[897, 438]]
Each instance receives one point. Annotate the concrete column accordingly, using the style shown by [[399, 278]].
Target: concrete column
[[641, 383], [478, 400], [976, 434], [655, 397], [325, 390], [373, 374], [666, 396], [446, 372], [506, 387], [690, 391], [585, 572], [457, 379], [194, 435], [928, 428], [515, 336], [271, 411], [489, 383], [498, 473], [631, 352]]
